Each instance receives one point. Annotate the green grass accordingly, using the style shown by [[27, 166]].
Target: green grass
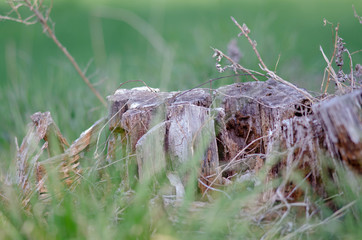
[[35, 76], [102, 206]]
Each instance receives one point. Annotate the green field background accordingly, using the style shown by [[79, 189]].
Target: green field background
[[35, 76]]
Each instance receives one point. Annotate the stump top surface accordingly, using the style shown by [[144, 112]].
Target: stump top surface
[[270, 93]]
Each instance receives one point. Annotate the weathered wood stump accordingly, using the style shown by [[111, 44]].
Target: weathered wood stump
[[331, 130], [341, 120], [234, 129], [227, 124]]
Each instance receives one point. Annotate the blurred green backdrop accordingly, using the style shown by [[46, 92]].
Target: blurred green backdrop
[[165, 43]]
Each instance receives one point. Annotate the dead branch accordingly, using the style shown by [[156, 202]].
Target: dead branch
[[42, 15], [245, 32], [339, 77], [219, 55]]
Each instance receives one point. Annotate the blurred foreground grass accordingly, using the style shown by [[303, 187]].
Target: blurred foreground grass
[[108, 205], [35, 76]]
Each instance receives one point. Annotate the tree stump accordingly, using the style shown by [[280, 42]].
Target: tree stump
[[341, 120], [225, 124], [235, 129]]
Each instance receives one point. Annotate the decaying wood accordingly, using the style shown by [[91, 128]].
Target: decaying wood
[[251, 110], [333, 129], [56, 144], [300, 139], [231, 130], [191, 130], [341, 119], [42, 128], [151, 157], [237, 126], [60, 154], [218, 122]]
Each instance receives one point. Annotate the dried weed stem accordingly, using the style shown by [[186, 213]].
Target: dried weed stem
[[338, 76], [245, 32], [356, 15], [242, 151]]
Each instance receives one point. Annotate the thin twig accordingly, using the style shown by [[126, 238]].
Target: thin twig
[[214, 189], [356, 52], [252, 43], [351, 68], [132, 155], [245, 31], [356, 15], [43, 21], [237, 65], [298, 185], [334, 53], [17, 20], [337, 214], [34, 7], [276, 65], [233, 160], [330, 69]]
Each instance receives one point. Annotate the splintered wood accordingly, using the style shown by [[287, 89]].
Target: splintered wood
[[210, 125], [235, 128], [43, 131], [341, 119], [331, 129], [229, 131]]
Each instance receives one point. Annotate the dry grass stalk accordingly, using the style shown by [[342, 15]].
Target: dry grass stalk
[[334, 52], [344, 82], [307, 227], [231, 162], [245, 32], [40, 13], [356, 15], [219, 55], [331, 73], [338, 76]]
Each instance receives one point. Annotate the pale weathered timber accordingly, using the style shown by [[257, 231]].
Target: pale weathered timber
[[30, 155], [132, 110], [191, 134], [236, 127], [220, 122], [151, 154]]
